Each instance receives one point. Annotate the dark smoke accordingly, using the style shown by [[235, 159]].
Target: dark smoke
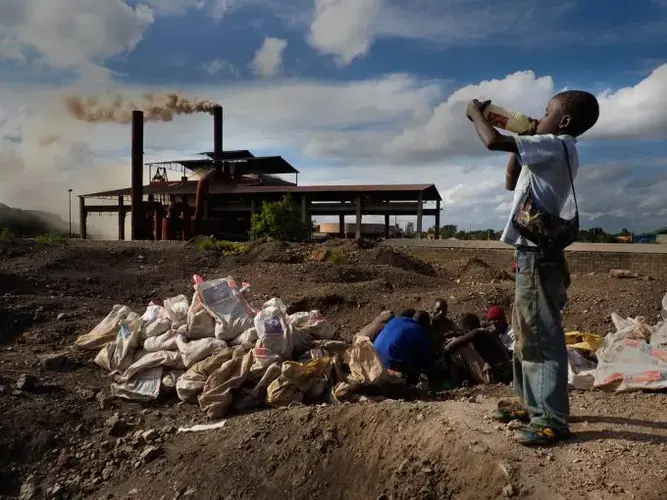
[[113, 108]]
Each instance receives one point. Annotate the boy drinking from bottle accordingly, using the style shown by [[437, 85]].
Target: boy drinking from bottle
[[542, 165]]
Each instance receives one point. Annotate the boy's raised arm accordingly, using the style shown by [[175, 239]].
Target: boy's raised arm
[[491, 138]]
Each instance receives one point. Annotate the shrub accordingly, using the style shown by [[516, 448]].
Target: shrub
[[225, 247], [6, 235], [280, 220], [52, 239]]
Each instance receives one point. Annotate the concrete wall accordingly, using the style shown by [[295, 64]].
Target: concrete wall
[[648, 260]]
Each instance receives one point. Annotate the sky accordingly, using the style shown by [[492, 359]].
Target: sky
[[348, 91]]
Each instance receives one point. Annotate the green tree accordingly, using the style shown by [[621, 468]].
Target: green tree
[[280, 220], [448, 231]]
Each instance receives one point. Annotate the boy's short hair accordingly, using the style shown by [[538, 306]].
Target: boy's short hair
[[423, 318], [583, 108], [470, 321], [408, 313]]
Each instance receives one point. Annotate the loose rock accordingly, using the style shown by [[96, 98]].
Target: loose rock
[[150, 453], [116, 426]]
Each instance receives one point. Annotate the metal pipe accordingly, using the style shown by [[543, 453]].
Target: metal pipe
[[137, 187], [217, 140]]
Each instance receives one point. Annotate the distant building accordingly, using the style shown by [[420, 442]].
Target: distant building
[[368, 230]]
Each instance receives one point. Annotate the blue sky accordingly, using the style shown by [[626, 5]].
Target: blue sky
[[347, 90]]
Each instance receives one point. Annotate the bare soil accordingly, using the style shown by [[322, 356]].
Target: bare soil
[[56, 433]]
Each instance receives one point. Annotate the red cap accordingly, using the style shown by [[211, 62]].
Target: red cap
[[495, 313]]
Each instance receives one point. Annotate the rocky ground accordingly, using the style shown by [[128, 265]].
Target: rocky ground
[[62, 436]]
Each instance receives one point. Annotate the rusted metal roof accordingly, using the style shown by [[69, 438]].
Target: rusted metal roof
[[237, 154], [320, 192], [252, 165]]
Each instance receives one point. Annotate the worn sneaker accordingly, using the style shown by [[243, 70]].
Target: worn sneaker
[[541, 436], [510, 410]]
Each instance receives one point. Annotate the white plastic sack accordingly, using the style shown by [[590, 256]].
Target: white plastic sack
[[118, 355], [630, 364], [312, 322], [659, 337], [247, 337], [581, 371], [169, 381], [106, 330], [156, 321], [200, 324], [164, 342], [147, 360], [263, 358], [626, 361], [196, 350], [273, 331], [223, 300], [177, 310], [144, 387]]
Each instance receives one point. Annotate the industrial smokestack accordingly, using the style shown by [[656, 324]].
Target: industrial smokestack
[[217, 140], [137, 188]]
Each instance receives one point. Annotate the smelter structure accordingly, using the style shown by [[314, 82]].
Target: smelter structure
[[231, 186]]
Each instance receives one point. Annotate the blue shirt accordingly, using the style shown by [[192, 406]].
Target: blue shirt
[[404, 345]]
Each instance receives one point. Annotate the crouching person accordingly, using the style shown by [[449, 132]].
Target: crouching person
[[481, 352], [404, 345]]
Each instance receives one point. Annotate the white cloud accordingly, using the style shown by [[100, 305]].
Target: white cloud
[[344, 28], [395, 128], [448, 131], [218, 65], [269, 57], [72, 34], [635, 111]]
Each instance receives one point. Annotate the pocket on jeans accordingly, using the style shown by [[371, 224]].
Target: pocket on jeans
[[554, 279], [523, 265]]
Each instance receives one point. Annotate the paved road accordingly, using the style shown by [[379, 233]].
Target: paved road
[[490, 244]]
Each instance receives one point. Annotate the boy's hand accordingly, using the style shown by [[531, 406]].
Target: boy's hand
[[475, 108]]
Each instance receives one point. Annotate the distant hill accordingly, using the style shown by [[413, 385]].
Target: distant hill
[[659, 231], [30, 223]]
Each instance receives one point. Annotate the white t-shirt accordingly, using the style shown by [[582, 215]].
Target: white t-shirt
[[507, 338], [544, 169]]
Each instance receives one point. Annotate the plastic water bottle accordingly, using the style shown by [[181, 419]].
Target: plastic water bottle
[[508, 120]]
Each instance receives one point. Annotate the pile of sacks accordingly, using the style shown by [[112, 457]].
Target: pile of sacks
[[632, 358], [220, 352]]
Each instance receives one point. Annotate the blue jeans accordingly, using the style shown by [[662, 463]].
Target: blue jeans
[[540, 356]]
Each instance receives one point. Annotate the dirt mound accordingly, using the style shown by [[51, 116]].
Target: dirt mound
[[337, 273], [477, 269], [389, 257], [322, 303], [385, 450], [274, 251], [350, 245]]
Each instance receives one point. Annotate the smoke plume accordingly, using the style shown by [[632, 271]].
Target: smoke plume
[[113, 108]]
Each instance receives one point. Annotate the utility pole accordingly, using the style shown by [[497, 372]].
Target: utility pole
[[69, 191]]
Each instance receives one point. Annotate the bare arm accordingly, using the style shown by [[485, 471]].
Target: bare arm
[[464, 339], [512, 172], [491, 138]]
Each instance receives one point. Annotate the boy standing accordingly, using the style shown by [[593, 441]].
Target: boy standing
[[538, 164]]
